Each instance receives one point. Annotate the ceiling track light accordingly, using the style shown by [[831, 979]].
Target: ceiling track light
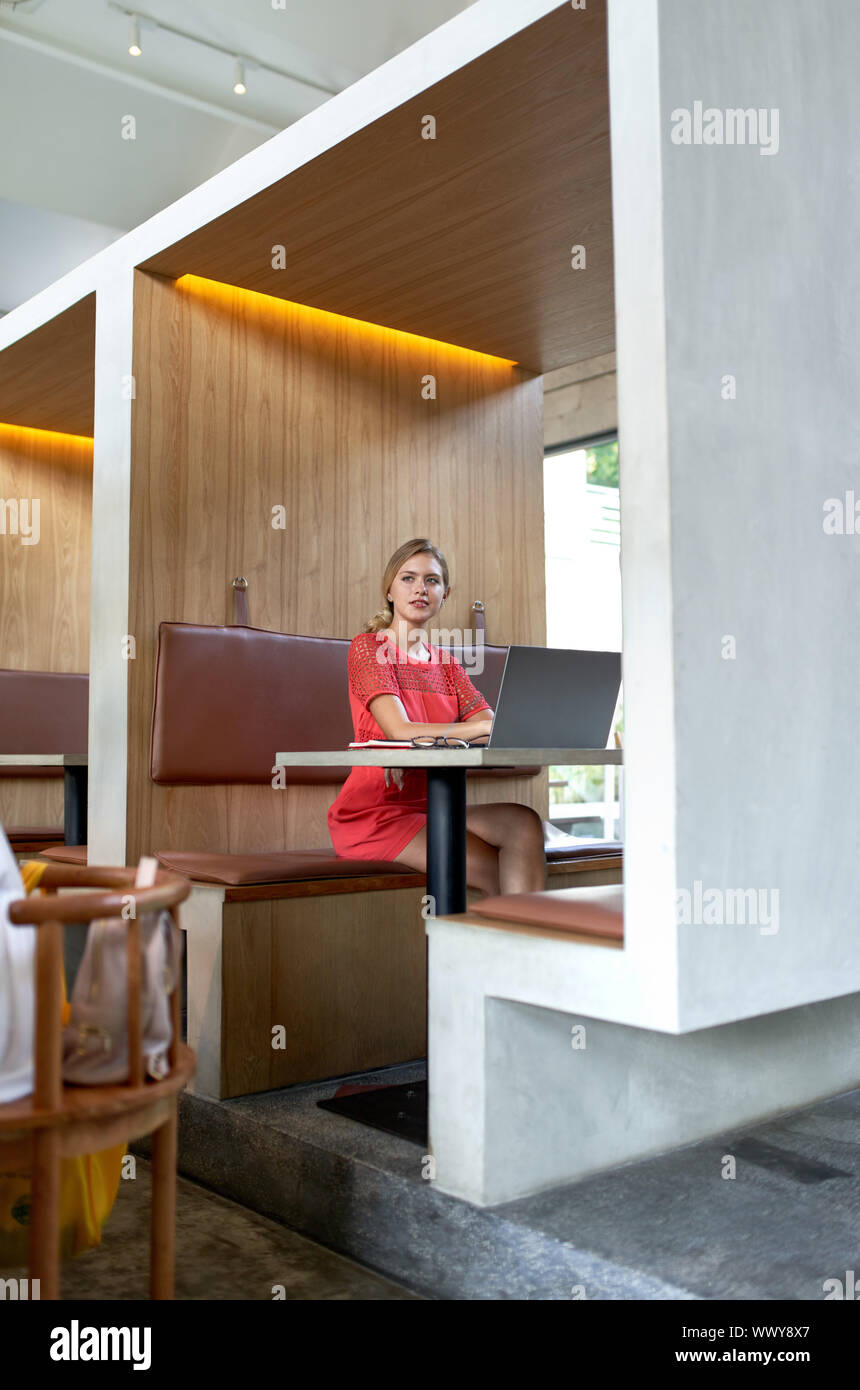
[[140, 18]]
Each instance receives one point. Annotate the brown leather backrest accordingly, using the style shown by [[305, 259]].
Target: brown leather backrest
[[484, 666], [43, 712], [228, 698]]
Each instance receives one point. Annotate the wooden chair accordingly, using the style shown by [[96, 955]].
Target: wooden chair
[[57, 1121]]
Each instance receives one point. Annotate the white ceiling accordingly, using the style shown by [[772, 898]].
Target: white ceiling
[[70, 183]]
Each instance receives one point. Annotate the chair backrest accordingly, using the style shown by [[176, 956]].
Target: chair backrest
[[43, 711], [49, 914], [227, 698]]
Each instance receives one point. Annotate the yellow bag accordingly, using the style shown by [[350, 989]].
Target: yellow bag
[[88, 1184]]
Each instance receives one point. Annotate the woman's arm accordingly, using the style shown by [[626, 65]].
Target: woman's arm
[[391, 716]]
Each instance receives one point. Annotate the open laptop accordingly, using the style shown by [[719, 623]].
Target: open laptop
[[551, 697]]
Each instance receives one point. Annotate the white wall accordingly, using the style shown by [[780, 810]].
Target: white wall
[[758, 254]]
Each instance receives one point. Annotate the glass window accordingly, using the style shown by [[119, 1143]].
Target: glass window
[[583, 588]]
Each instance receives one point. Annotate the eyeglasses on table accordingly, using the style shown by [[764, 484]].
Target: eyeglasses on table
[[443, 741]]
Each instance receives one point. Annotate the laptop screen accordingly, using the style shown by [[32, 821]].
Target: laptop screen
[[553, 697]]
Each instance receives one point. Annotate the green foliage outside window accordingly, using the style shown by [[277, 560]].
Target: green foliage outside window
[[601, 464]]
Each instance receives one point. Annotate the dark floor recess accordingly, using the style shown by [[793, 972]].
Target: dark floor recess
[[400, 1110]]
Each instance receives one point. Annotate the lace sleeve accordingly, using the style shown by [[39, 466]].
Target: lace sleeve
[[468, 697], [370, 672]]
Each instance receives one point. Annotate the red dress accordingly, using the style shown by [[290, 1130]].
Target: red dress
[[367, 819]]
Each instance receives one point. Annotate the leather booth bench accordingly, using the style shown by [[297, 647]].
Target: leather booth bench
[[330, 951], [40, 712], [588, 915]]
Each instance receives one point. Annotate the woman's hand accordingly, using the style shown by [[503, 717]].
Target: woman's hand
[[478, 728]]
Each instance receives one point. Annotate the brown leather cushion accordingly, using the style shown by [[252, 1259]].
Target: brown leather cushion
[[47, 834], [587, 911], [276, 867], [67, 854], [599, 849], [32, 846], [228, 698], [281, 866], [29, 770], [43, 712]]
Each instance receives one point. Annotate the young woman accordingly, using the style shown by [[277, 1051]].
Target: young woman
[[400, 687]]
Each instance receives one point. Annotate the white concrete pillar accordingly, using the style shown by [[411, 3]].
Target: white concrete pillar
[[109, 609]]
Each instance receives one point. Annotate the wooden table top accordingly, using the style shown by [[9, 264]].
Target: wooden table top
[[44, 759], [450, 757]]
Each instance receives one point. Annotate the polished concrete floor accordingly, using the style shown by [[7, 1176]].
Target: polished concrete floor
[[223, 1252]]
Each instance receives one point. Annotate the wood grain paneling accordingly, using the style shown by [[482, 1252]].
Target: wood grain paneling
[[344, 975], [466, 237], [45, 587], [36, 801], [471, 919], [245, 403], [47, 377]]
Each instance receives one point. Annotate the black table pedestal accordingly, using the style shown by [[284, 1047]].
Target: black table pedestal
[[446, 840], [402, 1109], [75, 781]]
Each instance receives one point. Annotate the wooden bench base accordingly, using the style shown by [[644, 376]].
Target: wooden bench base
[[338, 964], [284, 990], [585, 873]]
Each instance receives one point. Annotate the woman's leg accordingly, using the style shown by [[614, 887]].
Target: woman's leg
[[517, 831], [482, 860]]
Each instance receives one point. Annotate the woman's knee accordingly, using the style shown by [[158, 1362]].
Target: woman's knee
[[522, 825], [482, 865], [482, 861]]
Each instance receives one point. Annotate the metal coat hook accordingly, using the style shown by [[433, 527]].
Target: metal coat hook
[[240, 601]]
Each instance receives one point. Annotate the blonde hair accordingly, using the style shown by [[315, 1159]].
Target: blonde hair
[[385, 616]]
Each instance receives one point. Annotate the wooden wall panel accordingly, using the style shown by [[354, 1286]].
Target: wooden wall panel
[[245, 402], [345, 975], [45, 587], [35, 801]]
